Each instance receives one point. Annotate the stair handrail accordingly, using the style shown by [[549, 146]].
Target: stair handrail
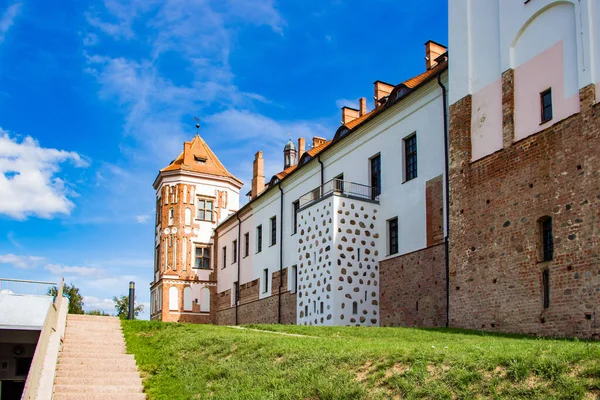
[[40, 378]]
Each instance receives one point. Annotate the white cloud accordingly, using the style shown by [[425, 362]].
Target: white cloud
[[95, 303], [142, 219], [91, 39], [347, 103], [63, 270], [11, 238], [8, 19], [21, 262], [28, 181]]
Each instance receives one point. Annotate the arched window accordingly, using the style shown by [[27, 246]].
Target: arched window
[[188, 217], [205, 299], [173, 299], [187, 298]]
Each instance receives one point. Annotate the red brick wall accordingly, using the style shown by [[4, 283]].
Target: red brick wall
[[252, 310], [420, 277], [434, 208], [496, 202]]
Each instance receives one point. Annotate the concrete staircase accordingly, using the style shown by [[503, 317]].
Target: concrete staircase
[[93, 365]]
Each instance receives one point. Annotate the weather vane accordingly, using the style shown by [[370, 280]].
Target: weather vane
[[197, 125]]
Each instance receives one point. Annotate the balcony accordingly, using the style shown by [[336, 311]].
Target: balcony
[[340, 188]]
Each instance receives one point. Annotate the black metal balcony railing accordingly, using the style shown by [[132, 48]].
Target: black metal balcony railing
[[340, 187]]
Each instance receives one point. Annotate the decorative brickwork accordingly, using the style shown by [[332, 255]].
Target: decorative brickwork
[[496, 205], [413, 288]]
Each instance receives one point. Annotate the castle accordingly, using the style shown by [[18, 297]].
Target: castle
[[467, 196]]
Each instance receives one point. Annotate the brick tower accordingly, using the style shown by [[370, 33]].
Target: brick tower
[[193, 194]]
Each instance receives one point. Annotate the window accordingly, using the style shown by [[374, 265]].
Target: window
[[202, 258], [246, 244], [393, 235], [236, 288], [259, 238], [546, 100], [375, 176], [265, 280], [547, 239], [273, 231], [295, 208], [234, 251], [339, 183], [156, 258], [188, 217], [293, 279], [546, 288], [205, 210], [224, 257], [410, 157], [171, 216], [354, 308]]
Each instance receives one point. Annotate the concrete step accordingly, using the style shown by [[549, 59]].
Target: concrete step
[[105, 375], [72, 357], [103, 388], [86, 348], [100, 368], [114, 361], [82, 336], [103, 380], [92, 353], [98, 396], [82, 317]]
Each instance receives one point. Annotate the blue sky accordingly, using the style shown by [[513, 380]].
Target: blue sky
[[97, 96]]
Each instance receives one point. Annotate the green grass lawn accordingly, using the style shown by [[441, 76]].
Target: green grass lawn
[[183, 361]]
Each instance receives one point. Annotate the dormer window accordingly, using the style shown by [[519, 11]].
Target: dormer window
[[200, 160]]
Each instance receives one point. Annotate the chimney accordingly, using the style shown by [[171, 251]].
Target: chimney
[[301, 147], [432, 51], [363, 107], [381, 90], [349, 114], [188, 157], [317, 141], [258, 175]]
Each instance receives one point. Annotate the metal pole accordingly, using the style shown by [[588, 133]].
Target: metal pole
[[131, 299]]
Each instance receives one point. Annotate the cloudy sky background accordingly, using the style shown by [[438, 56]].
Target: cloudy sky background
[[97, 96]]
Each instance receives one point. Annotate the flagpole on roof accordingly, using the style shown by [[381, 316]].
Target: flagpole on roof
[[197, 125]]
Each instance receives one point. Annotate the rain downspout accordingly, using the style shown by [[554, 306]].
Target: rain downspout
[[280, 254], [239, 261]]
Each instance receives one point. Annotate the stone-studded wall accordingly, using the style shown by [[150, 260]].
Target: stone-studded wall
[[496, 203], [337, 249], [315, 268], [251, 310], [413, 288], [356, 254]]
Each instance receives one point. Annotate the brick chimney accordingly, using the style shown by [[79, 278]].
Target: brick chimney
[[363, 107], [349, 114], [301, 147], [317, 141], [188, 157], [381, 90], [258, 175], [432, 51]]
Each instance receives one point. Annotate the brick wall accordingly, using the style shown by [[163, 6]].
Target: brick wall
[[496, 203], [417, 277], [434, 208], [252, 310]]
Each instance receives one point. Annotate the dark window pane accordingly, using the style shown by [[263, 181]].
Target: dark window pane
[[547, 240], [546, 288], [376, 175], [410, 154]]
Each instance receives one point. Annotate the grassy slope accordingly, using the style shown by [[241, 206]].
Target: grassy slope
[[181, 361]]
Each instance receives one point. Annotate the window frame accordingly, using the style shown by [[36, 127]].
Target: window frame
[[171, 216], [393, 248], [259, 239], [295, 208], [273, 222], [546, 239], [376, 190], [224, 255], [246, 244], [234, 254], [546, 94], [265, 285], [205, 256], [546, 289], [206, 201], [410, 151]]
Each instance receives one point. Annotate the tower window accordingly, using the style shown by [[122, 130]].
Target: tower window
[[259, 238], [546, 100], [202, 258], [205, 210], [246, 244], [410, 157], [171, 216], [273, 231], [546, 288], [393, 235], [547, 241]]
